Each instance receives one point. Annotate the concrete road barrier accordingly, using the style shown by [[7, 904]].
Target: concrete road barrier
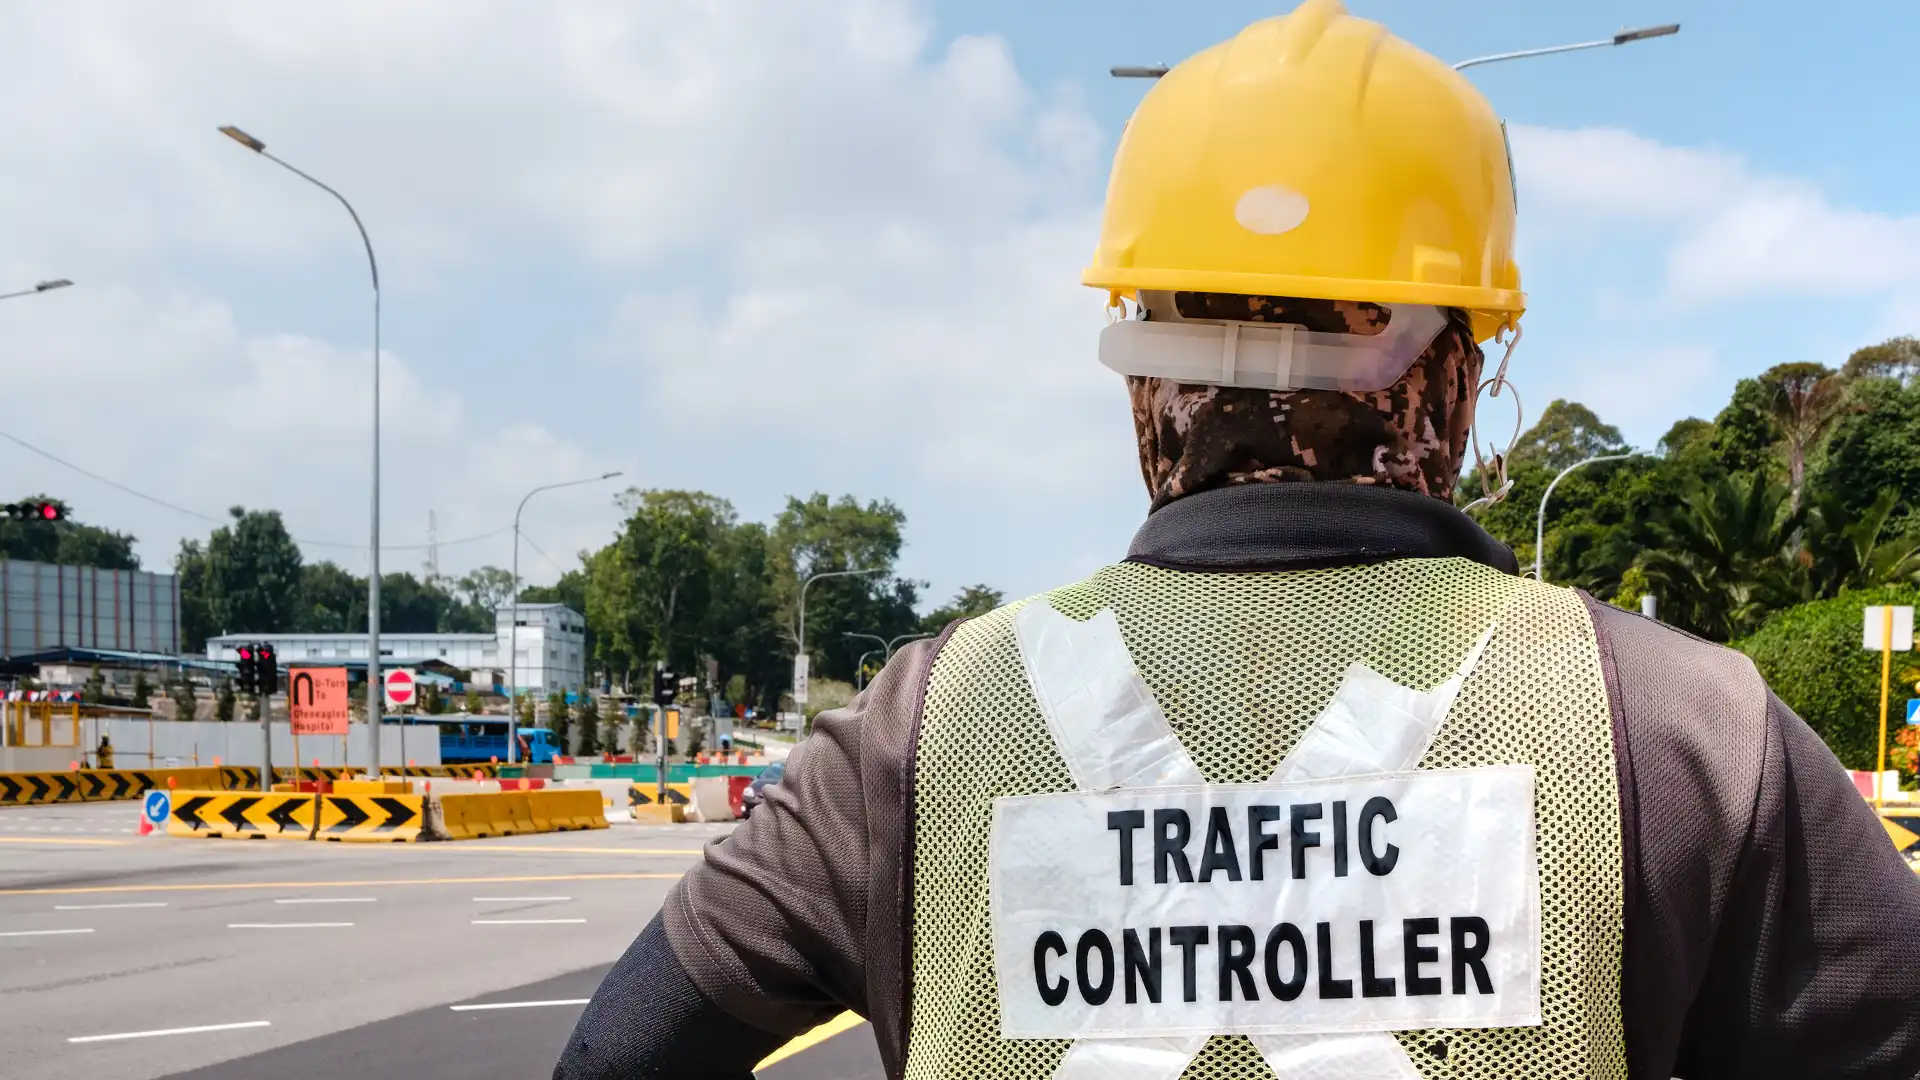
[[645, 792], [372, 818], [562, 808], [285, 815]]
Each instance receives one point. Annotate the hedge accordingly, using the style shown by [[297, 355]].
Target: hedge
[[1811, 656]]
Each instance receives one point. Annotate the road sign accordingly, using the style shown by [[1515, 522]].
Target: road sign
[[317, 700], [400, 687], [1913, 710], [156, 808], [800, 679], [1875, 623]]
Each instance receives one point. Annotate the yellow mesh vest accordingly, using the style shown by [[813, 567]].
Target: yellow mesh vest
[[1241, 662]]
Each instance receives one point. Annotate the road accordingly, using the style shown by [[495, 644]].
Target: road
[[289, 958]]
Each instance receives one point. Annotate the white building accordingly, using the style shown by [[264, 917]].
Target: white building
[[551, 642]]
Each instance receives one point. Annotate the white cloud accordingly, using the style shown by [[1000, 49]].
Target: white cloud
[[824, 250], [1735, 232]]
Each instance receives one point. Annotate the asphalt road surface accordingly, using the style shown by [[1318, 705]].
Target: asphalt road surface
[[129, 957]]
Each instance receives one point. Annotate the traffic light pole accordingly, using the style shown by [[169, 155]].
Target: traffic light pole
[[264, 702]]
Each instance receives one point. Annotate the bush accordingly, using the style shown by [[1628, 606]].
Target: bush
[[223, 701], [1811, 656], [586, 712], [473, 701], [141, 691], [825, 694]]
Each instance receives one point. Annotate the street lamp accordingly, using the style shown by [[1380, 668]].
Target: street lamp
[[1154, 71], [513, 630], [800, 636], [38, 287], [374, 689], [1540, 522], [1624, 37], [860, 668]]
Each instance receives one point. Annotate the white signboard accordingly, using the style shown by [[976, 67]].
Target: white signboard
[[401, 687], [800, 679], [1390, 902], [1876, 622]]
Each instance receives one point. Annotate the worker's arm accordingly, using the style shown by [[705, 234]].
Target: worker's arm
[[1813, 972], [1764, 906], [648, 1020], [790, 920]]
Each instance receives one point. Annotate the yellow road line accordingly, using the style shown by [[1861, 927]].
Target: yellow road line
[[363, 883], [846, 1021], [91, 842]]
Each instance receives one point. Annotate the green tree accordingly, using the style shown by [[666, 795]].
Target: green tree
[[815, 535], [66, 541], [252, 574], [1806, 400], [473, 701], [1725, 560], [1872, 448], [1565, 433], [556, 708], [190, 572], [332, 600], [94, 690], [1745, 432], [523, 708], [432, 701], [561, 723], [1810, 655], [485, 588], [223, 701], [141, 691], [183, 697], [969, 602], [587, 714], [1897, 359], [742, 631]]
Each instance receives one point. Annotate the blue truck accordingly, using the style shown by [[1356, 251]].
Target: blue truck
[[466, 738]]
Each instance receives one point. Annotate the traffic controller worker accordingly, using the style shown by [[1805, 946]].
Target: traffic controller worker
[[1311, 783]]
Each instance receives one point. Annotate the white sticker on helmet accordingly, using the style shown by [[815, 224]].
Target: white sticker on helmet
[[1270, 210]]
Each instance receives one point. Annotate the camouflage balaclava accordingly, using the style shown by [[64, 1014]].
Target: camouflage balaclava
[[1412, 435]]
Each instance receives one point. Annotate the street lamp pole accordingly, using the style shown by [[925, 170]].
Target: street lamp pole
[[1540, 522], [800, 635], [513, 622], [1154, 71], [903, 637], [860, 668], [1624, 37], [374, 688], [38, 288]]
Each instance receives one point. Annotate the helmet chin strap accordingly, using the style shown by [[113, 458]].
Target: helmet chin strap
[[1494, 488]]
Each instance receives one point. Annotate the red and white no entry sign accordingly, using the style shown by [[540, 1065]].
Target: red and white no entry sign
[[400, 686]]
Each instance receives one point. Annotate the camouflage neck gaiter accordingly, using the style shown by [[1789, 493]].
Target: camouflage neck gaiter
[[1412, 435]]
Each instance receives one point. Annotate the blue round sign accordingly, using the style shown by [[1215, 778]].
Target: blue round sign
[[157, 807]]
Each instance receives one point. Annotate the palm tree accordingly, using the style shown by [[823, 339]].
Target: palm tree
[[1853, 552], [1724, 556], [1807, 398]]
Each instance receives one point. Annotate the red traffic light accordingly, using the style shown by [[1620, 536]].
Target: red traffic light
[[246, 653], [49, 512], [266, 652]]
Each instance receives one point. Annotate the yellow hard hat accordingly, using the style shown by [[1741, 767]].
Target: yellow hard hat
[[1315, 155]]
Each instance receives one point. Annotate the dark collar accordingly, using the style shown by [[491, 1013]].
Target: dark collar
[[1296, 526]]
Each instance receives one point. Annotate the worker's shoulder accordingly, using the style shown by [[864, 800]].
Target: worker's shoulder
[[1667, 682]]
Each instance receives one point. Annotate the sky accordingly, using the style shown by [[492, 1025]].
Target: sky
[[766, 249]]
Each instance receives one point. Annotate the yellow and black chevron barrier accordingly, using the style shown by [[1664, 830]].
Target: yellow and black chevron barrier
[[643, 793], [241, 814], [377, 818], [1903, 828], [99, 785]]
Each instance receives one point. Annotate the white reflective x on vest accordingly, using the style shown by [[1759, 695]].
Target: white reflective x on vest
[[1354, 942]]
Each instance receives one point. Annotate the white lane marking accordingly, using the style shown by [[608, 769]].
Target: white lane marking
[[281, 925], [108, 907], [517, 899], [327, 900], [169, 1031], [42, 933], [518, 1004], [523, 922]]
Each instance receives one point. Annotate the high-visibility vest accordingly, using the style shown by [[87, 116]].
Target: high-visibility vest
[[1239, 664]]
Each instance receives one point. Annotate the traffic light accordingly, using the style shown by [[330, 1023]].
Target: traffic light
[[267, 674], [34, 510], [666, 686], [249, 665]]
